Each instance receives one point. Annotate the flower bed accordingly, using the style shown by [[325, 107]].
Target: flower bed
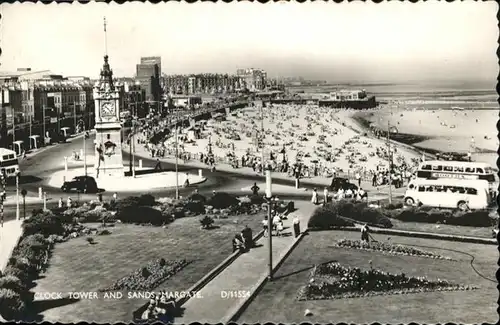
[[148, 277], [388, 248], [334, 281]]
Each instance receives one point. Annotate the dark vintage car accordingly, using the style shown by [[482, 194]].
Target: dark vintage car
[[82, 184], [340, 182]]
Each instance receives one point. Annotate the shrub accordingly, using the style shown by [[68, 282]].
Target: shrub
[[257, 199], [15, 271], [141, 215], [146, 200], [12, 283], [478, 218], [145, 273], [131, 201], [162, 262], [327, 218], [104, 232], [394, 206], [90, 240], [206, 222], [222, 200], [361, 212], [43, 222], [196, 207], [196, 197], [98, 214], [13, 306]]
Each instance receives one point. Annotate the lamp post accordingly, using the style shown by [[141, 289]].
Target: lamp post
[[269, 198], [74, 115], [43, 121], [176, 158], [2, 199], [23, 193], [132, 148], [17, 197], [262, 135], [389, 152], [85, 136]]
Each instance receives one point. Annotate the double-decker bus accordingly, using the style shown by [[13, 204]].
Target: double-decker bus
[[435, 169], [9, 163]]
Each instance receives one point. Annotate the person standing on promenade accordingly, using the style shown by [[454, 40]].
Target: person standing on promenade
[[358, 178], [255, 189], [314, 198], [325, 195]]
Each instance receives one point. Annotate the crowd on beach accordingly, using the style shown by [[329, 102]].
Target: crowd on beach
[[300, 141]]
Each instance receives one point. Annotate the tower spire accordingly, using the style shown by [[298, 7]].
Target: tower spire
[[105, 38]]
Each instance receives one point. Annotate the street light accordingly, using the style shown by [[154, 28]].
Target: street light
[[269, 198], [85, 136], [176, 158], [17, 197], [2, 199], [23, 193]]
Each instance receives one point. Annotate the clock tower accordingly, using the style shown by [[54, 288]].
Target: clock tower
[[108, 144]]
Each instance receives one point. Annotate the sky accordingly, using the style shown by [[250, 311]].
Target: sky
[[386, 42]]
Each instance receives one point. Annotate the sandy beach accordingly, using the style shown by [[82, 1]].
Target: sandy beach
[[309, 134], [443, 130]]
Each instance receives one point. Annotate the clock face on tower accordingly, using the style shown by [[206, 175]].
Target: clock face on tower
[[108, 109]]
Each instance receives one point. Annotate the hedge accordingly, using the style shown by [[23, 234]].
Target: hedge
[[477, 218], [326, 218], [222, 200], [140, 215], [43, 222], [345, 213], [12, 305]]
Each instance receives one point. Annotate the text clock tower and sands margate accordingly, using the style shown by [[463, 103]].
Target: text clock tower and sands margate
[[108, 144]]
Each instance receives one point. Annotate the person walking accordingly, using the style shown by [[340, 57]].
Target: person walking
[[296, 226], [265, 226], [365, 233], [314, 198], [325, 195], [61, 204], [358, 179]]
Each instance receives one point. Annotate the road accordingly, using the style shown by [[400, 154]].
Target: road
[[36, 170]]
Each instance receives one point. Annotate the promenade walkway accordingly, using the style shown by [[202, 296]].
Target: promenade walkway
[[318, 181], [9, 236], [242, 276]]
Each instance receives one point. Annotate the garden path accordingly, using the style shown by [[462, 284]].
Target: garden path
[[9, 236], [242, 276]]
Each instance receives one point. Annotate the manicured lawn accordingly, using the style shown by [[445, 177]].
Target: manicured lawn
[[78, 266], [276, 302]]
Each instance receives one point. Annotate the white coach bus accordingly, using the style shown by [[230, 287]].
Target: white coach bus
[[449, 193]]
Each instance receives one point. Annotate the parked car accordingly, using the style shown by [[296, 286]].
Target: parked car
[[83, 184], [340, 182]]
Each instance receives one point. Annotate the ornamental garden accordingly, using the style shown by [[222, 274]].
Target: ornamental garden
[[334, 276], [148, 244], [134, 244]]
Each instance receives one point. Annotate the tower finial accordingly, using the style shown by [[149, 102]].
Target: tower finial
[[105, 39]]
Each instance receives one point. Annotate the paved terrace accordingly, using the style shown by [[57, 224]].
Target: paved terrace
[[243, 275], [9, 236]]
